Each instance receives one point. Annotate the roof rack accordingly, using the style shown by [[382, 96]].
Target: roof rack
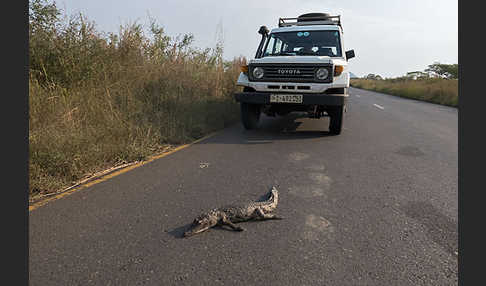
[[305, 21]]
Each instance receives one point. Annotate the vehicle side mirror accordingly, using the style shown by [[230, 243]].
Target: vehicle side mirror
[[349, 54]]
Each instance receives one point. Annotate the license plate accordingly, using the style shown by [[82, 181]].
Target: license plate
[[286, 98]]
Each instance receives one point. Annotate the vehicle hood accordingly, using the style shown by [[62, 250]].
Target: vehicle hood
[[299, 60]]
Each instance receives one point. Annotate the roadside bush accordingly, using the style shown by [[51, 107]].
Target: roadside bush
[[435, 90], [98, 100]]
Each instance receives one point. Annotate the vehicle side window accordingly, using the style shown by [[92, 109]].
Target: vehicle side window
[[278, 46], [285, 47], [270, 45]]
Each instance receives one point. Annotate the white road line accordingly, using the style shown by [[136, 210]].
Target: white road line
[[357, 95], [380, 107]]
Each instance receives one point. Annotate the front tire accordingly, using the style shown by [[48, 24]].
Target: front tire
[[336, 115], [250, 115]]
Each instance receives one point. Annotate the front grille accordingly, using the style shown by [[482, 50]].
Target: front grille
[[291, 73]]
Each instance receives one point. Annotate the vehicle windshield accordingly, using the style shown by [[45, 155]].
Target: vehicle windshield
[[304, 43]]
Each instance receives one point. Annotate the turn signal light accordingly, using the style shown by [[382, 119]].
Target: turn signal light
[[338, 70], [244, 69]]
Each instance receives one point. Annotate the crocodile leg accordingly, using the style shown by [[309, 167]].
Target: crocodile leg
[[226, 221], [261, 215]]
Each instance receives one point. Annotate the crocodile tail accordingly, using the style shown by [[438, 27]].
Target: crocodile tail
[[274, 196]]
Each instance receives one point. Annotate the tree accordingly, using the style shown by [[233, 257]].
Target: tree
[[449, 71], [42, 15]]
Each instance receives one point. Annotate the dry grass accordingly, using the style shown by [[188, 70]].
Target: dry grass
[[98, 100], [435, 90]]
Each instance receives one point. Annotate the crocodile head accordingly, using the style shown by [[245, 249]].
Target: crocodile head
[[202, 223]]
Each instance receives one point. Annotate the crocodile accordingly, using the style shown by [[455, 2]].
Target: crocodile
[[231, 214]]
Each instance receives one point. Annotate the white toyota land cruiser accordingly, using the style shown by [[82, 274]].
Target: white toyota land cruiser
[[299, 66]]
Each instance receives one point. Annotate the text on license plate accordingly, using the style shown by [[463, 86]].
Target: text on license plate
[[286, 98]]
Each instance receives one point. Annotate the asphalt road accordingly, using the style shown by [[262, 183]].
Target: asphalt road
[[376, 205]]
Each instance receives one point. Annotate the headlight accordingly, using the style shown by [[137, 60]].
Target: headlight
[[258, 72], [322, 73], [338, 70]]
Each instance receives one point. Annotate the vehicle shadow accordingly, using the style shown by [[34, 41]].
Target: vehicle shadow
[[271, 129]]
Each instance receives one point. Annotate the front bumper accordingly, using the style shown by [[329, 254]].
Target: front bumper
[[308, 98]]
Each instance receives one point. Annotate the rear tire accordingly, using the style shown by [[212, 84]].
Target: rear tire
[[250, 115], [336, 115]]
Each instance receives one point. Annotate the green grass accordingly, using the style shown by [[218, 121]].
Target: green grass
[[435, 90], [97, 100]]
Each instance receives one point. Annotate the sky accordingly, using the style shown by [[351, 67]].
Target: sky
[[390, 38]]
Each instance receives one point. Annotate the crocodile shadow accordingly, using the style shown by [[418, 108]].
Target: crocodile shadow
[[178, 232]]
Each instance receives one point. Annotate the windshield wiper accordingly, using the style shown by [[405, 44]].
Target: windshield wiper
[[284, 54], [306, 53]]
